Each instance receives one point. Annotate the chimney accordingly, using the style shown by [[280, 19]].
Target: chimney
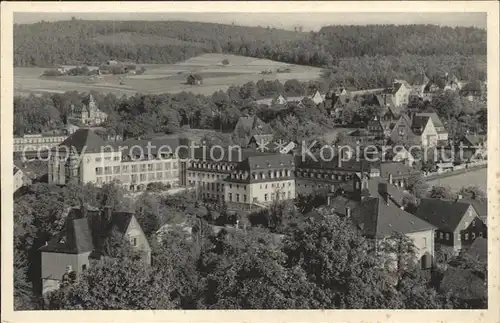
[[390, 178], [348, 212], [459, 197]]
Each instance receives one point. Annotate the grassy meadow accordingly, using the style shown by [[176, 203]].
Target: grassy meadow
[[162, 78]]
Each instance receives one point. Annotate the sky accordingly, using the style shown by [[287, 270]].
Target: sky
[[309, 21]]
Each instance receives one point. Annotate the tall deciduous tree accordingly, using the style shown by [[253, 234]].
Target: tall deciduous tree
[[245, 271], [116, 285], [342, 264], [441, 192]]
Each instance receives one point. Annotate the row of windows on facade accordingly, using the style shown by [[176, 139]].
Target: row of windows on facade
[[358, 185], [277, 174], [218, 176], [136, 178], [136, 158], [446, 236], [339, 177], [273, 196], [40, 146], [38, 140], [262, 175], [217, 166], [134, 168], [220, 186], [208, 176]]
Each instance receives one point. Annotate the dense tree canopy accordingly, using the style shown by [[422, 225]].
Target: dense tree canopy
[[114, 285], [94, 42]]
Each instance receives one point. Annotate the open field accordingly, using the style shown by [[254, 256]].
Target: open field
[[162, 78], [456, 182]]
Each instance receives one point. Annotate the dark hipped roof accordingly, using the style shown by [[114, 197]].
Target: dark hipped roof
[[268, 161], [475, 140], [444, 214], [83, 139], [77, 235], [435, 119], [32, 169], [376, 218]]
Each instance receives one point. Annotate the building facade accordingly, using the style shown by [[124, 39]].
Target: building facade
[[81, 242], [424, 129], [88, 114], [20, 178], [37, 142], [457, 221], [243, 177], [86, 158]]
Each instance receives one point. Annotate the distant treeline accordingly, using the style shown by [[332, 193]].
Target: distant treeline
[[80, 41]]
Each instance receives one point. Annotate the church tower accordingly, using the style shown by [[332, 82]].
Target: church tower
[[92, 104]]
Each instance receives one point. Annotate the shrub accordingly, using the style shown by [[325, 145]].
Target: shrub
[[140, 70], [225, 61], [158, 186], [52, 72]]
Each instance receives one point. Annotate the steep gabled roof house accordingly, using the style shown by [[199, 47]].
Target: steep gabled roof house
[[379, 214], [251, 126], [457, 221], [83, 239], [425, 129], [379, 218], [472, 90]]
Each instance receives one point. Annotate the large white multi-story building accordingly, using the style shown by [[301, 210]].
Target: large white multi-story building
[[86, 158], [243, 176], [37, 142]]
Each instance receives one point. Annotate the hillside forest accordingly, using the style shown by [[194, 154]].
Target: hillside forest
[[359, 56]]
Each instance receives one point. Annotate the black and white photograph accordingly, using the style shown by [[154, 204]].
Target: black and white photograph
[[271, 160]]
